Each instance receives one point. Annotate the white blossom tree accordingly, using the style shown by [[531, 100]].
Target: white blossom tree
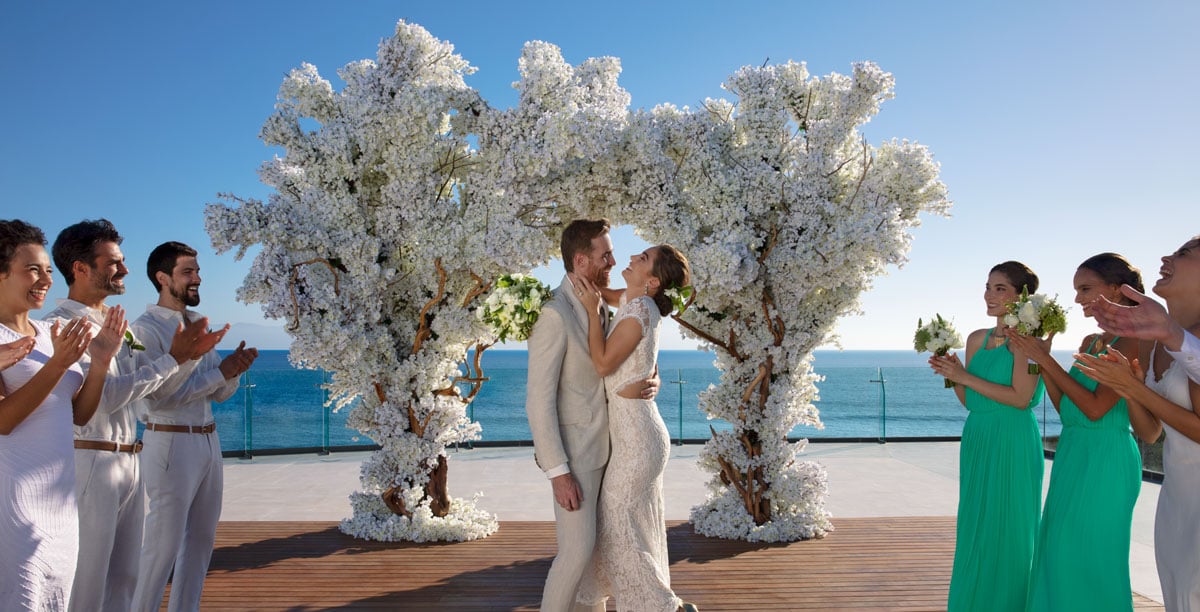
[[399, 197]]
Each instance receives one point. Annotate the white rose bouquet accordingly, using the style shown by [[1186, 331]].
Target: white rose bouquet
[[513, 305], [1036, 315], [937, 337]]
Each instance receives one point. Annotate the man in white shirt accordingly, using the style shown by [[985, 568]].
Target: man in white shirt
[[108, 484], [184, 503], [1147, 319]]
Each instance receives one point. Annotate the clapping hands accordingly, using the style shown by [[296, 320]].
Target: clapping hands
[[238, 362], [1112, 369], [193, 339], [112, 332], [12, 352]]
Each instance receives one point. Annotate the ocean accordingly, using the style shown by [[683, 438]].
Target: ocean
[[281, 407]]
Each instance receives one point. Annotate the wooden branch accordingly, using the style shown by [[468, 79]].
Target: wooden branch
[[772, 239], [337, 289], [776, 324], [479, 289], [730, 347], [841, 165], [423, 329], [866, 166]]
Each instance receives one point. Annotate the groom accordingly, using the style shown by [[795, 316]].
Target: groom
[[567, 410]]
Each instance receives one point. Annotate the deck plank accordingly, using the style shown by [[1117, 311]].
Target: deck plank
[[866, 563]]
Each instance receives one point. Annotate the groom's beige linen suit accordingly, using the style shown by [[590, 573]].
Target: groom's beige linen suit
[[568, 416]]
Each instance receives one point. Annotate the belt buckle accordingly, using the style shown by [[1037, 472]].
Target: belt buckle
[[137, 446]]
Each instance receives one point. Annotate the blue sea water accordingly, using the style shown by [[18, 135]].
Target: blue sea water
[[285, 405]]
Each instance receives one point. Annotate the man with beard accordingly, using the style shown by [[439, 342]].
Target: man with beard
[[184, 503], [567, 409], [108, 484]]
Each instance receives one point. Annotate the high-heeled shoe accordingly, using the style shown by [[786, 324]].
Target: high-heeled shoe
[[687, 607]]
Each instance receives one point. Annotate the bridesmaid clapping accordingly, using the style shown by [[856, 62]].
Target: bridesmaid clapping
[[1161, 397], [1000, 457], [1082, 560]]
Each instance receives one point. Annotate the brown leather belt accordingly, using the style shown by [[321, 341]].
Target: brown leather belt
[[111, 447], [197, 429]]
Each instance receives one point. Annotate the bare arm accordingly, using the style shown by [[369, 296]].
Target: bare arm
[[69, 345], [1181, 418], [1128, 379], [1018, 394], [1093, 404], [607, 353]]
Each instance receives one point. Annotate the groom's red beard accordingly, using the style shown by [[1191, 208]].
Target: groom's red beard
[[601, 277]]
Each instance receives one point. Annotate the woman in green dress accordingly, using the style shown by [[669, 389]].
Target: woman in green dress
[[1000, 457], [1082, 559]]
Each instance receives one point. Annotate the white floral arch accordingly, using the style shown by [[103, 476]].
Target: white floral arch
[[401, 196]]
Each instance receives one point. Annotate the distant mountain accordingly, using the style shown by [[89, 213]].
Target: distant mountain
[[257, 335]]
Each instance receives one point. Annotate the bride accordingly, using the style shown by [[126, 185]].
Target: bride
[[630, 559]]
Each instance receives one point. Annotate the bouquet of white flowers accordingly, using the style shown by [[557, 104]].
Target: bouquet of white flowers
[[513, 306], [1036, 315], [937, 337]]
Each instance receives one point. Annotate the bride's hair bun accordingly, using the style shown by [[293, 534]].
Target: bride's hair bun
[[672, 269]]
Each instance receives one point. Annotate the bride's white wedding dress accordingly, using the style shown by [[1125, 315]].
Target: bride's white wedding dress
[[630, 560]]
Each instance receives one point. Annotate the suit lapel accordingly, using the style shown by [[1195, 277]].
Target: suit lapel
[[567, 291]]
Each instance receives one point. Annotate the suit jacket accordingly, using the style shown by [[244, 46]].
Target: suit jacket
[[565, 402]]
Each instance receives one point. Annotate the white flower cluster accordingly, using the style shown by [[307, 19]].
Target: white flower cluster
[[398, 194], [937, 336], [513, 306], [1036, 315]]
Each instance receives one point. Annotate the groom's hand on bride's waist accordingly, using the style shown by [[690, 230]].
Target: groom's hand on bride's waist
[[567, 492]]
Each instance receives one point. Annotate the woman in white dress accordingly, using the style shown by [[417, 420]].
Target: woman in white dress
[[41, 395], [630, 561], [1161, 397]]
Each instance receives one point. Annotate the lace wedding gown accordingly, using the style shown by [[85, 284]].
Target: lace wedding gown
[[630, 560]]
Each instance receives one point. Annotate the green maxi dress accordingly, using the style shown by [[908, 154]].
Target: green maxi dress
[[1082, 559], [999, 494]]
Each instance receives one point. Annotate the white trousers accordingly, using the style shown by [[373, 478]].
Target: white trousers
[[108, 486], [184, 481], [576, 534]]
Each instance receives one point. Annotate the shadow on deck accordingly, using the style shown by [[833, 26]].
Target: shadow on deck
[[867, 563]]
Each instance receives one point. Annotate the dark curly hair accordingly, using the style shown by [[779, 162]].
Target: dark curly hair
[[672, 270], [13, 234], [78, 243]]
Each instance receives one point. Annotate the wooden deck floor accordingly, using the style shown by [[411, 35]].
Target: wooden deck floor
[[876, 564]]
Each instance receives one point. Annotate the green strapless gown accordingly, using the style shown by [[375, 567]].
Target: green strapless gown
[[1082, 560], [999, 494]]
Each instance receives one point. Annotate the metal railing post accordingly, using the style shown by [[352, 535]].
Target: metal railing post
[[324, 415], [248, 418], [680, 381], [882, 406]]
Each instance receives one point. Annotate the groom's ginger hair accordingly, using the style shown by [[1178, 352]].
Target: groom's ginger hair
[[577, 238]]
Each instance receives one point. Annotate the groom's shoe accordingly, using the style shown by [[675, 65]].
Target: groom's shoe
[[687, 607]]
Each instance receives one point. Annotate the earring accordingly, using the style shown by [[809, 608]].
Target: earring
[[647, 288]]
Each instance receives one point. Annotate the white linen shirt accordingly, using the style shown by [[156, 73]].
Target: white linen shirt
[[1188, 355], [131, 375], [182, 400]]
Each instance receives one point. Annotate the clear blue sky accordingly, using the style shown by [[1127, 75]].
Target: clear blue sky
[[1063, 129]]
